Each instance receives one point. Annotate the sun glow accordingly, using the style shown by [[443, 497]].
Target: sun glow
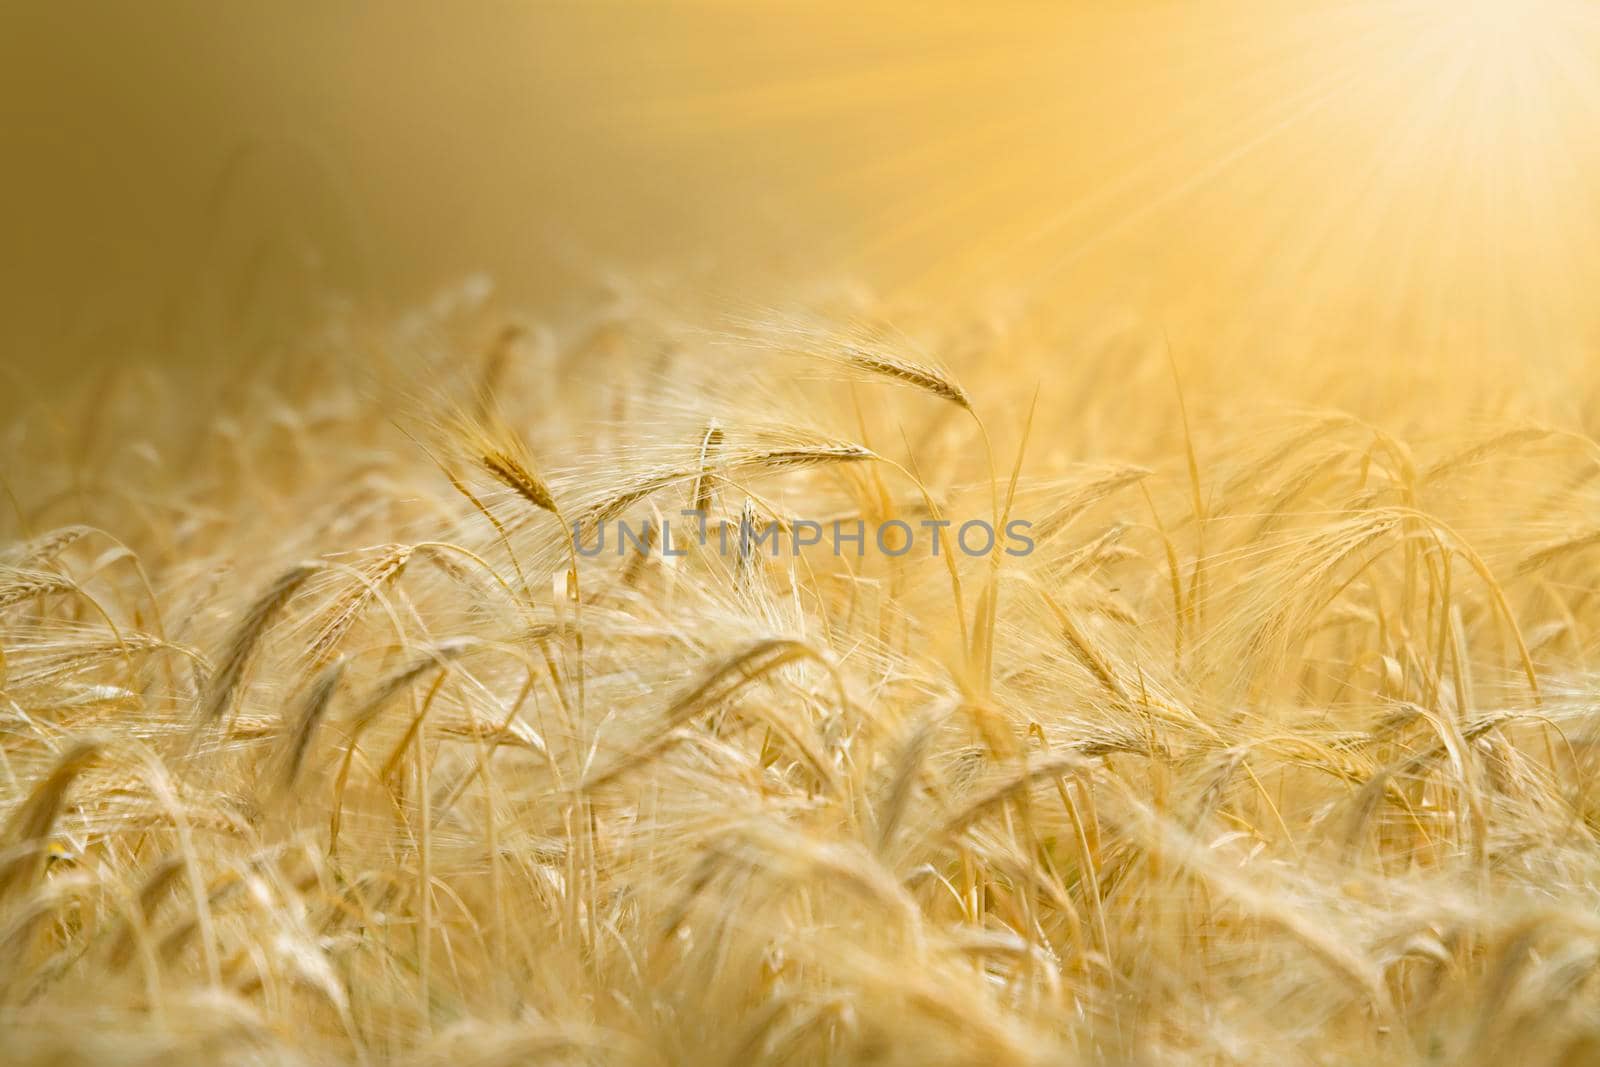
[[1403, 176]]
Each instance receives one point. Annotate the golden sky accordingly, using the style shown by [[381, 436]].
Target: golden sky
[[1286, 181]]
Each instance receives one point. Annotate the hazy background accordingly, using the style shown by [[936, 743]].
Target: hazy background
[[189, 181]]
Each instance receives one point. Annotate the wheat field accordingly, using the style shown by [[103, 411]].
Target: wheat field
[[322, 744], [333, 729]]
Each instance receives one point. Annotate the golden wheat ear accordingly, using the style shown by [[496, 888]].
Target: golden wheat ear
[[368, 580], [30, 823], [710, 445], [17, 585], [314, 707], [516, 474], [807, 454], [925, 376], [234, 665], [481, 438]]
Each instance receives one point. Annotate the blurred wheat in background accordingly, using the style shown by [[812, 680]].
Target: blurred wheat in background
[[325, 329]]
